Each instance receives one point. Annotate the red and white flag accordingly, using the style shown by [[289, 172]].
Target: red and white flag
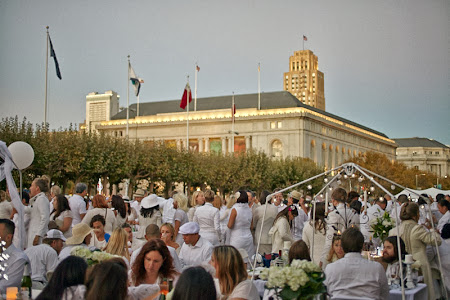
[[305, 38], [186, 95]]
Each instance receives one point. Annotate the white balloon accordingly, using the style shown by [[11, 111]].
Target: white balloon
[[22, 154]]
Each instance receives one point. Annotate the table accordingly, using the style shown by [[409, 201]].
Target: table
[[418, 293]]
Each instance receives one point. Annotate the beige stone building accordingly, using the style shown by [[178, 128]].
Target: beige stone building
[[284, 126], [424, 154], [100, 107], [304, 80]]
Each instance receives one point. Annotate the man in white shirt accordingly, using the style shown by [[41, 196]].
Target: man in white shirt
[[168, 213], [390, 256], [296, 199], [277, 200], [44, 258], [353, 277], [373, 212], [40, 212], [15, 263], [208, 218], [152, 232], [77, 203], [136, 204], [195, 250]]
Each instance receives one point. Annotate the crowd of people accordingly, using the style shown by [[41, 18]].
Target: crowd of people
[[204, 245]]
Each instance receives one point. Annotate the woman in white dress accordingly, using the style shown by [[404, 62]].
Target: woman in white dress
[[317, 232], [62, 215], [180, 218], [101, 208], [281, 229], [197, 200], [240, 223], [207, 217], [149, 214], [120, 210]]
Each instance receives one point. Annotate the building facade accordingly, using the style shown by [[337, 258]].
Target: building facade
[[283, 127], [424, 154], [304, 80], [100, 107]]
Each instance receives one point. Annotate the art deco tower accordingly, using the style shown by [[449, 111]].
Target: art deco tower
[[304, 80]]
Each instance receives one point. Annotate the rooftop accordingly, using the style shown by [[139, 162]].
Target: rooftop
[[418, 142]]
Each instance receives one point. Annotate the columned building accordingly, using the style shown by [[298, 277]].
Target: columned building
[[424, 154], [304, 80], [283, 127]]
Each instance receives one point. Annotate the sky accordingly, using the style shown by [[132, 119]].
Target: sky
[[386, 63]]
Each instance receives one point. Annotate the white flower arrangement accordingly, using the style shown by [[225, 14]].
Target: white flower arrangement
[[92, 257], [301, 280], [380, 226]]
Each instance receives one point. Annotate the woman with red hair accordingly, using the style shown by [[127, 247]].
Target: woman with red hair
[[101, 208]]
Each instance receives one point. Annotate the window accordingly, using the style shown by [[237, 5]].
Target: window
[[273, 125], [279, 124], [277, 149], [416, 167], [437, 152]]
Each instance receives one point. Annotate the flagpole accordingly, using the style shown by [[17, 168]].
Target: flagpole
[[128, 94], [187, 130], [303, 39], [46, 82], [259, 86], [195, 92], [232, 124], [137, 110]]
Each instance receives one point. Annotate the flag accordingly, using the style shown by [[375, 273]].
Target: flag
[[53, 54], [233, 111], [198, 68], [186, 94], [135, 81], [305, 38]]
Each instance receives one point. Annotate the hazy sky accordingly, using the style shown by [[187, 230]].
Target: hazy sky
[[386, 63]]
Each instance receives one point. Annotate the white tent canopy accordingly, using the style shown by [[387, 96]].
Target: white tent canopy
[[431, 192]]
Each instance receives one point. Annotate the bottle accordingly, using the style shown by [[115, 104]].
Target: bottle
[[164, 289], [26, 283]]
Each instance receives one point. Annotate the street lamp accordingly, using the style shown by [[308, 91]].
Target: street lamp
[[417, 180]]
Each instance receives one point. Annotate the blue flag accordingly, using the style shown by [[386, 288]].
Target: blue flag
[[53, 54]]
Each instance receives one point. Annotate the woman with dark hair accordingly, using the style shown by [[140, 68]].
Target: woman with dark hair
[[101, 208], [107, 280], [195, 283], [417, 238], [149, 214], [444, 208], [240, 223], [299, 250], [232, 275], [281, 229], [66, 279], [119, 209], [316, 230], [153, 263], [62, 215]]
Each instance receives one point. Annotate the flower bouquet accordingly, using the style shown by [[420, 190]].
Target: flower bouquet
[[92, 257], [300, 280], [381, 226]]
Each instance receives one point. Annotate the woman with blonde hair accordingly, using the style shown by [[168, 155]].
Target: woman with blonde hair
[[217, 202], [197, 200], [336, 252], [101, 208], [168, 236], [232, 275], [180, 218], [417, 238], [118, 244]]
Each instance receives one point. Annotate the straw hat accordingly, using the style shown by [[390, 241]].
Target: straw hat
[[79, 232], [139, 193]]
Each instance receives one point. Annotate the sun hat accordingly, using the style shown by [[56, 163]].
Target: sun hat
[[139, 193], [79, 232], [189, 228], [150, 201], [295, 195], [55, 234]]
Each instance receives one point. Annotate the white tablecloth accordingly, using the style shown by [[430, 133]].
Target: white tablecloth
[[418, 293]]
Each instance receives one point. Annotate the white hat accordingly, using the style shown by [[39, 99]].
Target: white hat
[[189, 228], [55, 234], [150, 201], [79, 233]]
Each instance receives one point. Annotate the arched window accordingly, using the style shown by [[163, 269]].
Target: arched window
[[277, 149]]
